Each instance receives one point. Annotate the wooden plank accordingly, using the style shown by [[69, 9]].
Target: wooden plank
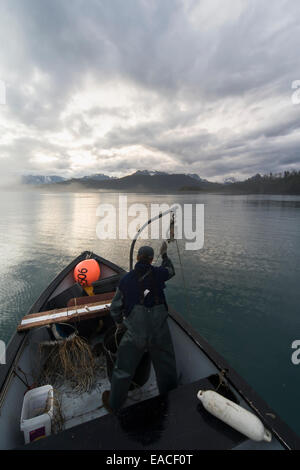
[[73, 319], [67, 309], [77, 313], [107, 297]]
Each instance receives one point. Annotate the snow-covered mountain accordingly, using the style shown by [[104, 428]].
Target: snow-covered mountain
[[196, 177], [155, 173], [41, 179], [98, 177], [230, 180], [150, 173]]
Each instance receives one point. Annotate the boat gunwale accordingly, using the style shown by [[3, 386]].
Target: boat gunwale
[[286, 436]]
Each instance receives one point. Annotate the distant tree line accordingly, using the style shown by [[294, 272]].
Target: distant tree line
[[279, 183]]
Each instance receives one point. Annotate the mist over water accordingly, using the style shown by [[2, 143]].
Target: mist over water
[[243, 285]]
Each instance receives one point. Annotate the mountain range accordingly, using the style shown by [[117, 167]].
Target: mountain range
[[39, 179], [140, 181], [144, 181]]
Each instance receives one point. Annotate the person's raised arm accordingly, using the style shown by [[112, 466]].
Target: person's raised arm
[[166, 262]]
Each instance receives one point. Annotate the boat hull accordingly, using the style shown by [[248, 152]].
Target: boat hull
[[199, 365]]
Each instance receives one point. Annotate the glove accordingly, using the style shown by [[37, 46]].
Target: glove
[[163, 248]]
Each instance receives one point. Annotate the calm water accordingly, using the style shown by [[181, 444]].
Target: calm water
[[244, 284]]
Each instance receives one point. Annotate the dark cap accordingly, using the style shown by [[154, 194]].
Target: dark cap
[[146, 252]]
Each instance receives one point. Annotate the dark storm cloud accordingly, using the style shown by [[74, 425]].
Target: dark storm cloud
[[215, 81]]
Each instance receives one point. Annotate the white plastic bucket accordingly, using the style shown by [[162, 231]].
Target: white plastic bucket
[[37, 413]]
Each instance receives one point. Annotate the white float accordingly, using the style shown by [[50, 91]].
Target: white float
[[234, 415]]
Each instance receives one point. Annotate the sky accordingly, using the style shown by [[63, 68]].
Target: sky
[[183, 86]]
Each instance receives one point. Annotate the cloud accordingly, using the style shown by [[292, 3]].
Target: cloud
[[182, 86]]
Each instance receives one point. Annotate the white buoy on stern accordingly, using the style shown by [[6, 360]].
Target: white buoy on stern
[[234, 415]]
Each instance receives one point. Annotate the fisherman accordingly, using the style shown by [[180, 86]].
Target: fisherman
[[140, 306]]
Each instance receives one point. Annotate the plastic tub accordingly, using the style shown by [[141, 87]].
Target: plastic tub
[[37, 413]]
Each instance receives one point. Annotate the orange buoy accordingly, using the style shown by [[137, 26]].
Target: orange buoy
[[86, 272]]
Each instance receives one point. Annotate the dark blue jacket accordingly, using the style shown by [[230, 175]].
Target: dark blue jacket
[[132, 288]]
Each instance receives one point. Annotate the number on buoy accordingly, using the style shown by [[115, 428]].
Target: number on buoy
[[86, 272]]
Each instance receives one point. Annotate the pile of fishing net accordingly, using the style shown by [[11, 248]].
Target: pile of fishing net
[[68, 360]]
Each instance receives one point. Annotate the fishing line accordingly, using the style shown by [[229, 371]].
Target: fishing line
[[171, 240]]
